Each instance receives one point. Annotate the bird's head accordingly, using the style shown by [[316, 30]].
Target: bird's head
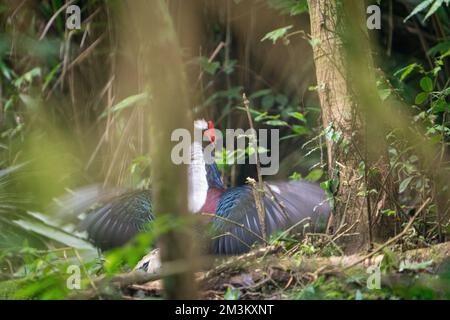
[[210, 133], [207, 129]]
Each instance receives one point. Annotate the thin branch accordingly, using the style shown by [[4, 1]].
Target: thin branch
[[50, 22], [240, 225], [258, 194], [275, 199], [211, 58], [392, 240], [226, 234]]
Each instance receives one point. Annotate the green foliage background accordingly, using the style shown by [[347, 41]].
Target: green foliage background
[[63, 123]]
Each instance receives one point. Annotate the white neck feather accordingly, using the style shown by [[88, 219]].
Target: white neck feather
[[198, 184]]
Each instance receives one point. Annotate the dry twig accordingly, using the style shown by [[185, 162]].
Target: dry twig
[[392, 240], [257, 192]]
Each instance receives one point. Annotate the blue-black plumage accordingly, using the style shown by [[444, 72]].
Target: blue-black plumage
[[235, 227], [118, 220]]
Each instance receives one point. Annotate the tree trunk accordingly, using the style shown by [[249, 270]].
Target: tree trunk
[[154, 42], [357, 155]]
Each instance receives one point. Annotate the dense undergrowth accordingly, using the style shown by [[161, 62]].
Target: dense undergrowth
[[65, 124]]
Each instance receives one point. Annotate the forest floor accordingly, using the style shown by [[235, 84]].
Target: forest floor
[[270, 273]]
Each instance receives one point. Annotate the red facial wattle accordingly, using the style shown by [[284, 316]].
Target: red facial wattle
[[211, 133]]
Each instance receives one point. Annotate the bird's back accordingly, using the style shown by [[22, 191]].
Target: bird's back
[[237, 226]]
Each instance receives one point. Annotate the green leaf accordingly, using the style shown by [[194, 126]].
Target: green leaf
[[228, 66], [406, 71], [299, 130], [28, 77], [295, 176], [279, 123], [254, 112], [6, 71], [404, 184], [436, 5], [49, 77], [414, 266], [298, 116], [234, 92], [276, 34], [207, 66], [389, 212], [292, 7], [299, 7], [384, 93], [426, 84], [12, 169], [281, 99], [251, 150], [261, 117], [268, 101], [260, 93], [421, 97], [422, 6], [445, 54], [314, 175], [126, 103], [231, 294], [441, 48], [440, 106], [446, 92], [35, 72], [55, 234]]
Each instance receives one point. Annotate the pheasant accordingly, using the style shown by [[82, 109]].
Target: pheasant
[[235, 224]]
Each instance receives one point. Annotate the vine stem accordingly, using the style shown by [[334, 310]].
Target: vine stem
[[258, 192]]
